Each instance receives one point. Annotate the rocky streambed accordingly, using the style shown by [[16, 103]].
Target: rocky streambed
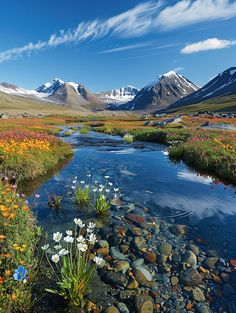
[[153, 266]]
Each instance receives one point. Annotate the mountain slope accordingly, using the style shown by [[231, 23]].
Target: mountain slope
[[118, 96], [224, 84], [161, 93]]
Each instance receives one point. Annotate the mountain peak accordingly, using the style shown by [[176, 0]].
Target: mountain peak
[[170, 73]]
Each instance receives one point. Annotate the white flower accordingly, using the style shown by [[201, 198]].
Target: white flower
[[73, 187], [55, 258], [82, 182], [116, 189], [63, 252], [75, 177], [79, 222], [89, 175], [25, 281], [81, 239], [92, 238], [74, 181], [91, 225], [111, 184], [69, 232], [45, 247], [107, 176], [101, 186], [96, 182], [98, 260], [107, 190], [69, 239], [57, 247], [95, 189], [82, 247], [87, 186], [100, 189], [57, 236]]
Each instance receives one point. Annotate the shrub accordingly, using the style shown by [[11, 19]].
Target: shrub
[[101, 205], [82, 196], [128, 138]]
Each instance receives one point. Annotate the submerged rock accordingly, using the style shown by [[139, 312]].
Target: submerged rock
[[190, 277], [122, 307], [198, 295], [203, 308], [190, 258], [115, 278], [117, 255], [143, 304], [165, 248], [144, 278]]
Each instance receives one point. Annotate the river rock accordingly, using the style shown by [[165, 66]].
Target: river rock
[[140, 243], [198, 295], [144, 278], [111, 309], [161, 259], [143, 304], [115, 278], [122, 307], [190, 277], [121, 266], [137, 231], [136, 219], [194, 249], [190, 258], [103, 244], [203, 308], [174, 280], [179, 230], [132, 284], [137, 263], [150, 257], [103, 251], [117, 255], [165, 248], [211, 262]]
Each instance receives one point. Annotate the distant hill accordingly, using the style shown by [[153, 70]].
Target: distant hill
[[223, 85]]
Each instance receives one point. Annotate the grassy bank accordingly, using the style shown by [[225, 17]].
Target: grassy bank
[[18, 239], [211, 151]]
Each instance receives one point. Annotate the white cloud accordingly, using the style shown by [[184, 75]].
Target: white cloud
[[187, 12], [208, 44], [136, 22], [125, 48]]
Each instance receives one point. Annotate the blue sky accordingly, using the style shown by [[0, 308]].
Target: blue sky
[[106, 44]]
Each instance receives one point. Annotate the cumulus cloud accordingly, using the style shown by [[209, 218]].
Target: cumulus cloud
[[142, 19], [208, 44]]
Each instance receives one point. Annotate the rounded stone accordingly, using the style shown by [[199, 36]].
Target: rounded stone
[[174, 280], [144, 278], [165, 248], [190, 277], [111, 309], [143, 304], [190, 258], [198, 295]]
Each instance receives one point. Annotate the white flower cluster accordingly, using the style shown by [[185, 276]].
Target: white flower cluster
[[82, 243]]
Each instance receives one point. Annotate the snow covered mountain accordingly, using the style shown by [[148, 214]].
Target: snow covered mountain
[[18, 91], [224, 84], [119, 96], [65, 93], [161, 93]]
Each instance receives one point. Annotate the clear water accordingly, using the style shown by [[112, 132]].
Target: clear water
[[148, 178]]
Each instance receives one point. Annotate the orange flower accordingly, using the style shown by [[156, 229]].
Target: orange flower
[[7, 272], [22, 262], [2, 237], [14, 297], [25, 208], [2, 278]]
